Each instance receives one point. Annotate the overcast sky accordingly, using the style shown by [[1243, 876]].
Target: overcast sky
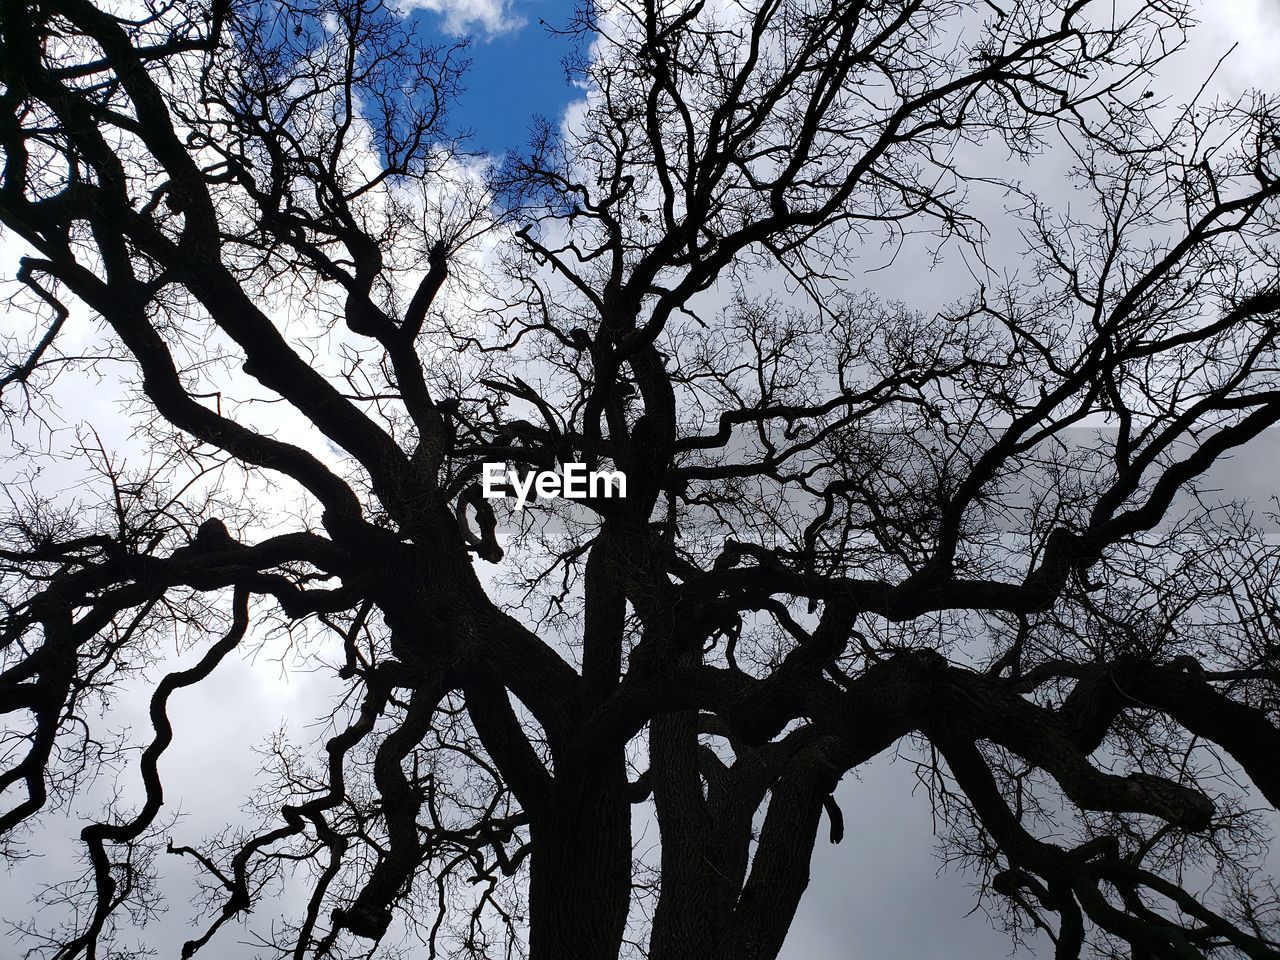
[[878, 894]]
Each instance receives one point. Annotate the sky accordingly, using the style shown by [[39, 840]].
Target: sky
[[879, 894], [516, 70]]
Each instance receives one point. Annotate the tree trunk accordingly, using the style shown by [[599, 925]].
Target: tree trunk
[[580, 867]]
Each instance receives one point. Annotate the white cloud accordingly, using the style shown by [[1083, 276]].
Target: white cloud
[[487, 18], [1253, 26]]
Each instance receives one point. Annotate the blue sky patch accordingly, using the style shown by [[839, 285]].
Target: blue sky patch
[[514, 75]]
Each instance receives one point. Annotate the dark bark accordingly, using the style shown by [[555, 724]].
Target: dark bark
[[580, 871]]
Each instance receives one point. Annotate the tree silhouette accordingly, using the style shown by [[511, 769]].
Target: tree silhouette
[[851, 525]]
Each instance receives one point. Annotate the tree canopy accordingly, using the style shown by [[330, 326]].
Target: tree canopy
[[975, 529]]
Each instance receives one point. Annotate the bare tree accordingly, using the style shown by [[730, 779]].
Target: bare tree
[[849, 525]]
